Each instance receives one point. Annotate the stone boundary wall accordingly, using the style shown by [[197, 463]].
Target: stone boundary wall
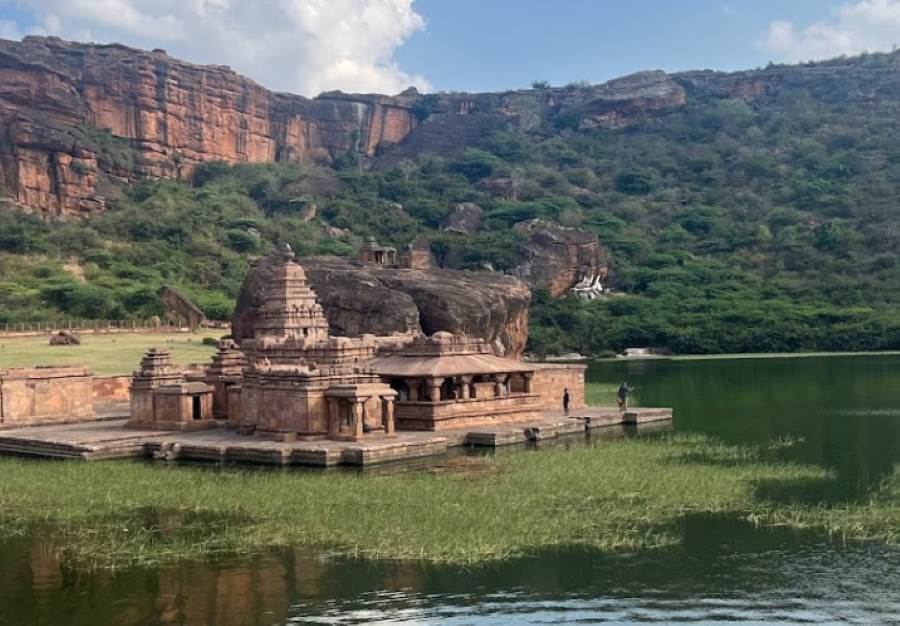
[[112, 389], [37, 395], [551, 378], [41, 329]]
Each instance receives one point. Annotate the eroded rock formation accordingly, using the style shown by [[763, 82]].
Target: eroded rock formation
[[464, 218], [556, 257], [366, 298], [75, 119], [162, 118]]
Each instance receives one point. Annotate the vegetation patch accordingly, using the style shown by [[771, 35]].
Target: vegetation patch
[[611, 495]]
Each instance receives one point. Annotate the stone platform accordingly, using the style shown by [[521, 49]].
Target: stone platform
[[110, 440]]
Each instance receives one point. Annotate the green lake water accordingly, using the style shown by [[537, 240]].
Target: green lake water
[[841, 413]]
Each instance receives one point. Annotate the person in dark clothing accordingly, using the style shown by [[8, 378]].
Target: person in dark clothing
[[622, 396], [566, 401]]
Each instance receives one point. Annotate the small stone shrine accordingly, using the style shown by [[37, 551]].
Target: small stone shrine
[[162, 398], [225, 371], [371, 252]]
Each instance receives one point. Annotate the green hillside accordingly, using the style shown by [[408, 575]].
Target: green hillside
[[735, 225]]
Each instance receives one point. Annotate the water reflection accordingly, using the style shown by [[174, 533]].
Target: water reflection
[[725, 570]]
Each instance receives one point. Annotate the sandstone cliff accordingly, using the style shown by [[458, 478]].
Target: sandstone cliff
[[78, 119], [75, 119], [364, 298], [163, 117]]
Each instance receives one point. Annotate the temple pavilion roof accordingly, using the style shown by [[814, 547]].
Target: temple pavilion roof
[[443, 355], [399, 366]]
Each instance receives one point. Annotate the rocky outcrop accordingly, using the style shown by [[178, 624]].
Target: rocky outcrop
[[76, 119], [363, 298], [164, 117], [616, 103], [464, 218], [555, 257]]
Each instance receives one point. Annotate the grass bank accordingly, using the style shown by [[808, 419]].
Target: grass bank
[[627, 494], [604, 394], [106, 355]]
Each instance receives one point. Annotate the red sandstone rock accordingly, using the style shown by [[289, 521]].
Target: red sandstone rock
[[363, 298], [555, 257], [167, 116], [172, 115]]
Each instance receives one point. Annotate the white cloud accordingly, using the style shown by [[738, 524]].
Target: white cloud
[[303, 46], [865, 25]]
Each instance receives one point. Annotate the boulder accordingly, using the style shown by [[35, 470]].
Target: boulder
[[556, 257], [65, 338], [362, 298], [464, 218]]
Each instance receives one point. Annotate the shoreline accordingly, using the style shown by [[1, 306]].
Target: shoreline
[[734, 355]]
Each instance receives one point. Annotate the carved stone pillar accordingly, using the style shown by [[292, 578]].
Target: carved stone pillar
[[465, 387], [357, 414], [387, 408], [528, 377], [413, 385], [434, 389], [500, 385]]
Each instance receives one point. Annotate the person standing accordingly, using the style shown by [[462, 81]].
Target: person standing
[[622, 396], [565, 401]]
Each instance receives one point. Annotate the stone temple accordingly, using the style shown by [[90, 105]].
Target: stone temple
[[293, 381]]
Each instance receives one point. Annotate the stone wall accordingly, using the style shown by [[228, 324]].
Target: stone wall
[[112, 389], [43, 395], [550, 379]]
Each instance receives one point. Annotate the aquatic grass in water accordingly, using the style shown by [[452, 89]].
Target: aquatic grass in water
[[626, 494]]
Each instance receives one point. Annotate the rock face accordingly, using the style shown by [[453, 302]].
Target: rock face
[[464, 218], [556, 257], [163, 116], [363, 298], [76, 119]]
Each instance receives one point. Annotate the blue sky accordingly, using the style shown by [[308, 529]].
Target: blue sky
[[308, 46], [478, 45]]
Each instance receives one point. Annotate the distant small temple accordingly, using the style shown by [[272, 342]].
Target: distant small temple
[[293, 380], [416, 255]]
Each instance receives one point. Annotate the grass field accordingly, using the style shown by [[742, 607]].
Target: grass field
[[612, 495], [106, 355]]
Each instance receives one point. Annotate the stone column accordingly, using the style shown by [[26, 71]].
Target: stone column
[[413, 385], [357, 413], [528, 377], [465, 387], [387, 408], [499, 382], [434, 389]]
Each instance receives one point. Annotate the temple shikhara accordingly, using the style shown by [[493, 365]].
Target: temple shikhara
[[293, 381]]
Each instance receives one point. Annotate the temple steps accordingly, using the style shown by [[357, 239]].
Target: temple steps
[[110, 440]]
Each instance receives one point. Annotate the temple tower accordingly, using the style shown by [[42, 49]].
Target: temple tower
[[291, 309]]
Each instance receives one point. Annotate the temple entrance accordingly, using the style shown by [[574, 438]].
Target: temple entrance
[[196, 412]]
